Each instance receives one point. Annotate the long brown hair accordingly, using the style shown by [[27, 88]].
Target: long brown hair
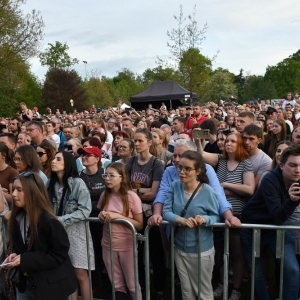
[[241, 153], [275, 139], [37, 201], [51, 151], [124, 188]]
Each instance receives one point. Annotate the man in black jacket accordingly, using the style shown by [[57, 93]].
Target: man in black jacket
[[274, 201]]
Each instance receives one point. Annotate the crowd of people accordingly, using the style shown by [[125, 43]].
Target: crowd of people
[[191, 166]]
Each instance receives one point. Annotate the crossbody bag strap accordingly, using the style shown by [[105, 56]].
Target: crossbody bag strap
[[183, 212]]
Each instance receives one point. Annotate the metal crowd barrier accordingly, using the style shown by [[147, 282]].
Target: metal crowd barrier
[[255, 253], [136, 237]]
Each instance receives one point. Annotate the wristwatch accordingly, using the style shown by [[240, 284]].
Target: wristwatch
[[138, 191]]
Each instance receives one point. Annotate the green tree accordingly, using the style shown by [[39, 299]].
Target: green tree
[[257, 87], [285, 75], [60, 87], [159, 74], [194, 69], [56, 56], [219, 87], [98, 91]]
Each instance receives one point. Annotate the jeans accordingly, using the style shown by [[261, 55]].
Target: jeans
[[291, 273], [27, 295]]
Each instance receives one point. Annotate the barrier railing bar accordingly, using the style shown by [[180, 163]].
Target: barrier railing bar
[[111, 263]]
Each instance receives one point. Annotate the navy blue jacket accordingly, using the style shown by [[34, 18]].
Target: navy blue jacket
[[271, 203]]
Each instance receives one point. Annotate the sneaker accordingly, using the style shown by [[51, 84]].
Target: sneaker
[[235, 295], [218, 292]]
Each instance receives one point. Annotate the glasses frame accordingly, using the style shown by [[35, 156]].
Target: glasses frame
[[180, 168]]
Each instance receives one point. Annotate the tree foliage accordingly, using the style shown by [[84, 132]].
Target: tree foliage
[[194, 69], [257, 87], [61, 86], [56, 56], [219, 87], [285, 75]]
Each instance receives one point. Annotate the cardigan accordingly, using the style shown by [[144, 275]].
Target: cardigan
[[204, 203]]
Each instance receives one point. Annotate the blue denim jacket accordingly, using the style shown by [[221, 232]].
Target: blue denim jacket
[[77, 204]]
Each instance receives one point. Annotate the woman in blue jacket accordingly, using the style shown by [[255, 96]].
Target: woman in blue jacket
[[203, 209]]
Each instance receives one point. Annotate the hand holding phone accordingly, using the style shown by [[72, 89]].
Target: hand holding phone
[[6, 264]]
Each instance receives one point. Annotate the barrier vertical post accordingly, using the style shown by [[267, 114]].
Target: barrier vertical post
[[199, 262], [280, 254], [147, 262], [172, 263], [226, 262], [111, 263], [87, 236]]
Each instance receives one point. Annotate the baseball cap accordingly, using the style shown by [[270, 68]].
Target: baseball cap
[[90, 150]]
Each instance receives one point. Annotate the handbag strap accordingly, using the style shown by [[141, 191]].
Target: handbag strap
[[183, 212]]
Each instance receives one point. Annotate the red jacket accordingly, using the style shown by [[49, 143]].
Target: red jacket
[[189, 124]]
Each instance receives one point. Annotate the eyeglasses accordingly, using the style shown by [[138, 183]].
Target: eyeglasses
[[30, 129], [122, 147], [110, 176], [186, 170], [17, 159]]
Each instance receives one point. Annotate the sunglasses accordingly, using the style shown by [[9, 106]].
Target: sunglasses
[[30, 173], [40, 154]]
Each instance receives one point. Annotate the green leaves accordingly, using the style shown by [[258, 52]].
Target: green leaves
[[56, 56]]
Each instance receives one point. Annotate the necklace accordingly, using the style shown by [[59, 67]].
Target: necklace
[[91, 184]]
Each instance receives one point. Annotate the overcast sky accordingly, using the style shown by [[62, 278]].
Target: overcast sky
[[111, 35]]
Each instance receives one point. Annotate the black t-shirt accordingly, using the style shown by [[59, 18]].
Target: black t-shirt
[[212, 148], [96, 185]]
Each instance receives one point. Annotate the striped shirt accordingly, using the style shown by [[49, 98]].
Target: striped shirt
[[236, 177]]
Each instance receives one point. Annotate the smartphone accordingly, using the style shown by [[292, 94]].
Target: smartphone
[[70, 147], [200, 134]]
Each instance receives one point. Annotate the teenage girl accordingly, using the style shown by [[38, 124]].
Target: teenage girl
[[118, 201]]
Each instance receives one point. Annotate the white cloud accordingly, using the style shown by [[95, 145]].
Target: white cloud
[[117, 34]]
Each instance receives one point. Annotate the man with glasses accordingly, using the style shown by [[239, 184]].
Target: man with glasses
[[171, 174], [57, 130], [35, 131]]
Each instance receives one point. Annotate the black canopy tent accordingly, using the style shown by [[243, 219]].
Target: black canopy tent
[[169, 92]]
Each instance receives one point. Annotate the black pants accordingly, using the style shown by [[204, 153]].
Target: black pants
[[96, 233], [157, 257]]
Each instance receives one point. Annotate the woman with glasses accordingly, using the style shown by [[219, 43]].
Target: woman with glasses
[[126, 150], [236, 175], [27, 160], [145, 173], [111, 125], [203, 208], [92, 176], [46, 153], [118, 201], [7, 172], [72, 204], [41, 253]]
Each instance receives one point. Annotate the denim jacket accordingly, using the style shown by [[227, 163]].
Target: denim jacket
[[77, 204]]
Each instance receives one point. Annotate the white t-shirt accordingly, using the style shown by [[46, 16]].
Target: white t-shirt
[[109, 140]]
